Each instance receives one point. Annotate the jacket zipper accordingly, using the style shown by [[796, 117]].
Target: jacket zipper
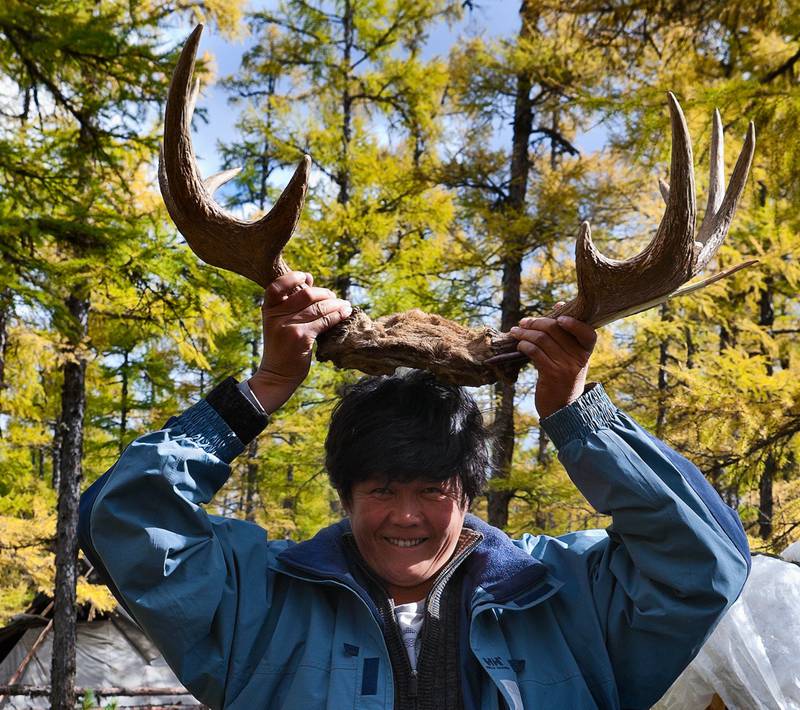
[[441, 582], [387, 612], [412, 673], [335, 583]]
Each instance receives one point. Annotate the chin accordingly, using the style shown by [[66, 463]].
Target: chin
[[406, 579]]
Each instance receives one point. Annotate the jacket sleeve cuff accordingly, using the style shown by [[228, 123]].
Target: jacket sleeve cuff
[[593, 410], [226, 420]]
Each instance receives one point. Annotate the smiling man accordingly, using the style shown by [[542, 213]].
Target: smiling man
[[407, 455], [410, 601]]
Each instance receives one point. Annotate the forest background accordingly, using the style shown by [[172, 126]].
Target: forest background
[[456, 148]]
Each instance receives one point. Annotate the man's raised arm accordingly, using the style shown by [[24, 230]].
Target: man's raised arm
[[187, 577], [674, 557]]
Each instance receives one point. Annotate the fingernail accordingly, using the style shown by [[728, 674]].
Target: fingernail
[[346, 311], [515, 330], [562, 319]]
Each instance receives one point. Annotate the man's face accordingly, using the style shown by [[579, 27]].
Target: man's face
[[406, 532]]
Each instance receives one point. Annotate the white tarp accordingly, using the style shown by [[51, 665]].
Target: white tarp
[[752, 659], [110, 653]]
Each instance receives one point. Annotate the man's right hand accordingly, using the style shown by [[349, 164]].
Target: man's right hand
[[294, 313]]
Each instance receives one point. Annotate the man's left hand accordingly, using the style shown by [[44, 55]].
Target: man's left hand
[[560, 350]]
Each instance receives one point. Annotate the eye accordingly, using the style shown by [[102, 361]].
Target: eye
[[381, 492], [435, 492]]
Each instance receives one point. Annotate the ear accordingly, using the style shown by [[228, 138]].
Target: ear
[[345, 505]]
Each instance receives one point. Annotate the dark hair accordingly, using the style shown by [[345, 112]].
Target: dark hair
[[406, 427]]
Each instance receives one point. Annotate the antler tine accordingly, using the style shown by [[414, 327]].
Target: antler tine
[[716, 172], [252, 249], [217, 180], [609, 289], [191, 102], [715, 228], [609, 285], [663, 188]]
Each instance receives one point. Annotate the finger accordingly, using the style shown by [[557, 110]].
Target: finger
[[281, 287], [577, 348], [309, 279], [582, 332], [300, 300], [545, 342], [571, 346], [328, 320], [321, 308], [540, 359]]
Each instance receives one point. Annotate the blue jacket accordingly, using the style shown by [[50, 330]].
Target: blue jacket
[[593, 619]]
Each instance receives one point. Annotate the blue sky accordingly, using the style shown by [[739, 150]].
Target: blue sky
[[490, 19]]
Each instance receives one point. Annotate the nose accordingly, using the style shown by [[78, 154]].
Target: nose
[[406, 510]]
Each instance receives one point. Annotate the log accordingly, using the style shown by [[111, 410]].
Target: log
[[32, 691]]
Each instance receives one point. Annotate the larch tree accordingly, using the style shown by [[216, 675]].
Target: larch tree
[[724, 374], [86, 74], [522, 190], [345, 82]]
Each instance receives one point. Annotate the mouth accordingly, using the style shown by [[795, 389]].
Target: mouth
[[405, 541]]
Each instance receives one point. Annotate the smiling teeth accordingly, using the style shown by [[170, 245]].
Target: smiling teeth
[[400, 542]]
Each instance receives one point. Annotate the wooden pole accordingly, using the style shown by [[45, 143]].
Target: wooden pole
[[28, 656], [32, 691]]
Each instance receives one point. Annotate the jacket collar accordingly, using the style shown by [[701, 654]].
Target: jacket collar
[[323, 555], [497, 566]]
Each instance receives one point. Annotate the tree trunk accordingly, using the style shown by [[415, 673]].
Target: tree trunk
[[264, 159], [289, 501], [73, 405], [502, 453], [343, 279], [543, 454], [766, 319], [503, 427], [251, 470], [5, 316], [765, 502], [56, 453], [663, 359], [690, 347], [123, 404]]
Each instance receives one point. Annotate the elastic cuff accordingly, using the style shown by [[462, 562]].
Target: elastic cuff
[[593, 410], [202, 423], [237, 410]]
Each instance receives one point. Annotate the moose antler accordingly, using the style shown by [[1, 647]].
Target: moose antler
[[252, 249], [607, 289]]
